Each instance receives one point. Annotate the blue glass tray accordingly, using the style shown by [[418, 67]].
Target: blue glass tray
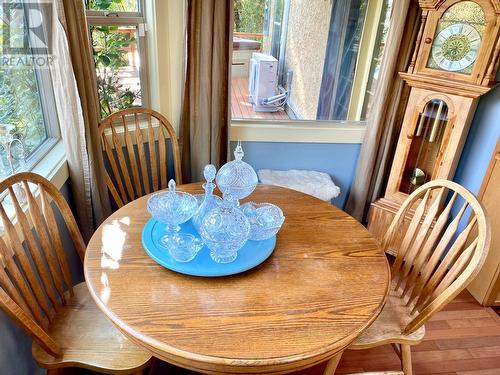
[[250, 256]]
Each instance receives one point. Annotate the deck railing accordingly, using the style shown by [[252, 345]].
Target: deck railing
[[256, 36]]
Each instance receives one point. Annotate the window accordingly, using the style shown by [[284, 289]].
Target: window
[[28, 122], [314, 60], [117, 32]]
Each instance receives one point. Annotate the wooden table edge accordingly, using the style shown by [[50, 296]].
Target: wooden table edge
[[220, 365]]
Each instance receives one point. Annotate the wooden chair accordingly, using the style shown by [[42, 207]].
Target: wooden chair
[[435, 262], [134, 142], [36, 286]]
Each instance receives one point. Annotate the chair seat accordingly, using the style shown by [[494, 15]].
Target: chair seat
[[89, 340], [389, 325]]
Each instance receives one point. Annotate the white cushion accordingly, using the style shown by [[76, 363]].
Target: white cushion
[[317, 184]]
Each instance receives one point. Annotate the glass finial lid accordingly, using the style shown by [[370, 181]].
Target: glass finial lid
[[237, 178]]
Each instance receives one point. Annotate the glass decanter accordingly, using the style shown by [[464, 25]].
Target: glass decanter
[[208, 201], [225, 230], [173, 208], [236, 177]]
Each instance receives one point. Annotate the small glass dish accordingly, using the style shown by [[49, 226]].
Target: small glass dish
[[265, 219], [182, 247]]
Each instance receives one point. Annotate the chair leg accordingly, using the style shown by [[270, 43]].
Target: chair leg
[[332, 364], [406, 359]]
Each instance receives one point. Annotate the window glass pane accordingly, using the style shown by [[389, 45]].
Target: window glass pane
[[20, 106], [117, 67], [114, 5], [314, 60], [383, 30], [22, 123]]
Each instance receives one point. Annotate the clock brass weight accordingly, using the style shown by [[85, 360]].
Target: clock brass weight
[[455, 60]]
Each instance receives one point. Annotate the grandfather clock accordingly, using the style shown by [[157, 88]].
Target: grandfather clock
[[454, 63]]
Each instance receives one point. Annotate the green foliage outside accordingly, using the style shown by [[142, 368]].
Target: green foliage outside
[[113, 5], [20, 106], [20, 103], [249, 15], [109, 45], [109, 56]]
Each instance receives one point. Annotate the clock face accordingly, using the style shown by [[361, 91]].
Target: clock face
[[455, 47]]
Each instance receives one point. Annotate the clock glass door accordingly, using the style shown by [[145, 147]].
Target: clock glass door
[[426, 143], [458, 37]]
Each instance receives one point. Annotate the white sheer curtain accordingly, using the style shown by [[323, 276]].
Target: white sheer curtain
[[69, 112], [381, 128]]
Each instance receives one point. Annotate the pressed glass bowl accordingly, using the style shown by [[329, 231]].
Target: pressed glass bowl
[[265, 219], [182, 247], [172, 208], [225, 230]]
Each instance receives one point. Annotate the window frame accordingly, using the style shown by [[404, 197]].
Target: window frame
[[45, 92], [312, 131], [50, 118], [126, 18]]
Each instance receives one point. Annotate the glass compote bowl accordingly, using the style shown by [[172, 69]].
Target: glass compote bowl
[[225, 230], [173, 208], [265, 219], [237, 178]]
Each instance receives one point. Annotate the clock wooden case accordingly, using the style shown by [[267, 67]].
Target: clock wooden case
[[454, 62]]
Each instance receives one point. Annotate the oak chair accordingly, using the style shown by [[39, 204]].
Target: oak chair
[[134, 142], [435, 262], [36, 286]]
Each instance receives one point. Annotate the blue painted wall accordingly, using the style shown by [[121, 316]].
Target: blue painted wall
[[338, 160], [481, 141]]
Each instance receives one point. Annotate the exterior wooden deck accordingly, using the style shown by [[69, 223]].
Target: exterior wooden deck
[[242, 109]]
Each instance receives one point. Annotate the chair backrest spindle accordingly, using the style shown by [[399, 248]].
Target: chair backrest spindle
[[134, 142], [34, 273], [439, 254]]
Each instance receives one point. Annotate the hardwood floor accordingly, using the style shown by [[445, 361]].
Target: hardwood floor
[[463, 339]]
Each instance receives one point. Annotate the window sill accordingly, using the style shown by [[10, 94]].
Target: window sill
[[298, 131], [53, 166]]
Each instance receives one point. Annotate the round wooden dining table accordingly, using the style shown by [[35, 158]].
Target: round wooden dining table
[[325, 282]]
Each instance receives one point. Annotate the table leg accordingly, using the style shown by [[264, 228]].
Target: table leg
[[332, 364]]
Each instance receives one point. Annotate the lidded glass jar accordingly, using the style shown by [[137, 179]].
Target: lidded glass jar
[[225, 230], [208, 201], [237, 178]]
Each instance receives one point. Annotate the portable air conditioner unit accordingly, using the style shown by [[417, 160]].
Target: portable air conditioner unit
[[263, 84]]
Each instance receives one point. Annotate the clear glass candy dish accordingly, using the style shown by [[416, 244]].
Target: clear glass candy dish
[[237, 178], [182, 247], [265, 219], [225, 230], [173, 208]]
